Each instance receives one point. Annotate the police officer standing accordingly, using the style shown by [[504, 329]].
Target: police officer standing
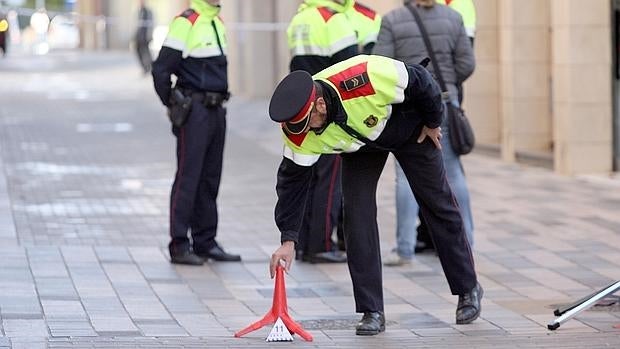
[[367, 23], [195, 51], [320, 35], [365, 108]]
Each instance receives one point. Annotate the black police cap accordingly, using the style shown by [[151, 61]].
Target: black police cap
[[292, 98]]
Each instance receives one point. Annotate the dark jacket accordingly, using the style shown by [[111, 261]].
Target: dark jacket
[[401, 39]]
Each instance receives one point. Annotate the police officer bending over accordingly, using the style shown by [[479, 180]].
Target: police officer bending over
[[366, 107], [195, 51]]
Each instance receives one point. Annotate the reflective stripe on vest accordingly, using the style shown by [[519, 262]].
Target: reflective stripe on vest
[[300, 159], [205, 52], [174, 43], [302, 50]]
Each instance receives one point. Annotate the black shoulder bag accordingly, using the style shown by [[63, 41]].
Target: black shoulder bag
[[460, 131]]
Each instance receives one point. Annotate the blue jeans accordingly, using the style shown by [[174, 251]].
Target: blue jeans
[[407, 208]]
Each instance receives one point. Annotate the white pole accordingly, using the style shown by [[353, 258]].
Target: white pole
[[553, 325]]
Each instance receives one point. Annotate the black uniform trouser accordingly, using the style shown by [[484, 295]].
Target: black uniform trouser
[[423, 166], [323, 209], [200, 148], [423, 234]]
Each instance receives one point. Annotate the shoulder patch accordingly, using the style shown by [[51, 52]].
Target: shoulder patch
[[326, 13], [366, 11], [190, 14], [353, 82]]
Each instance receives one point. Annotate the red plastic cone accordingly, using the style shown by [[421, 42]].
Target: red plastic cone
[[279, 309]]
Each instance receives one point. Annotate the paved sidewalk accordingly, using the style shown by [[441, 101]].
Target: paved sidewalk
[[86, 164]]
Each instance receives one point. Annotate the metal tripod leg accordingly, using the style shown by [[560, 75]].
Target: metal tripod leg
[[561, 310], [581, 305]]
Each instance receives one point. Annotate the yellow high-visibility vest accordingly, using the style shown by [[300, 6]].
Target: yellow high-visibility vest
[[467, 10], [366, 23], [198, 32]]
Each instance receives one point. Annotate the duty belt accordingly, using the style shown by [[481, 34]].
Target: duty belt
[[210, 99]]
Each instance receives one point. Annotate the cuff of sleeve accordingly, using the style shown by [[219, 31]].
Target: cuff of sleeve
[[289, 236], [433, 124], [437, 119]]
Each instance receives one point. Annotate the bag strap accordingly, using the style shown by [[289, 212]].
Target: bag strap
[[353, 133], [429, 48], [217, 36]]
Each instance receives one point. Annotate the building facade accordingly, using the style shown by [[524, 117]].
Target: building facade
[[545, 87]]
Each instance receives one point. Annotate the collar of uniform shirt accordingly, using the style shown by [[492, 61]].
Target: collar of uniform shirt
[[335, 111], [205, 9]]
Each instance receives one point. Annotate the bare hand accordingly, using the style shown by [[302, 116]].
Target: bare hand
[[433, 133], [285, 253]]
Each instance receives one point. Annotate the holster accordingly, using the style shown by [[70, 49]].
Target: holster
[[180, 107]]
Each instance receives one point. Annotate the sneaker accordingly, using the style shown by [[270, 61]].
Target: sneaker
[[395, 260]]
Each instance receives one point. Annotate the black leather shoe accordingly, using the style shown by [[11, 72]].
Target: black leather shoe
[[217, 254], [326, 257], [186, 257], [469, 308], [372, 323]]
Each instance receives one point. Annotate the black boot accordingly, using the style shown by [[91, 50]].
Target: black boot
[[218, 254], [469, 307], [185, 257], [372, 323]]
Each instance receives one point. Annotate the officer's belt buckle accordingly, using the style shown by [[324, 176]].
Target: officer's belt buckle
[[445, 96], [213, 99], [210, 99]]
